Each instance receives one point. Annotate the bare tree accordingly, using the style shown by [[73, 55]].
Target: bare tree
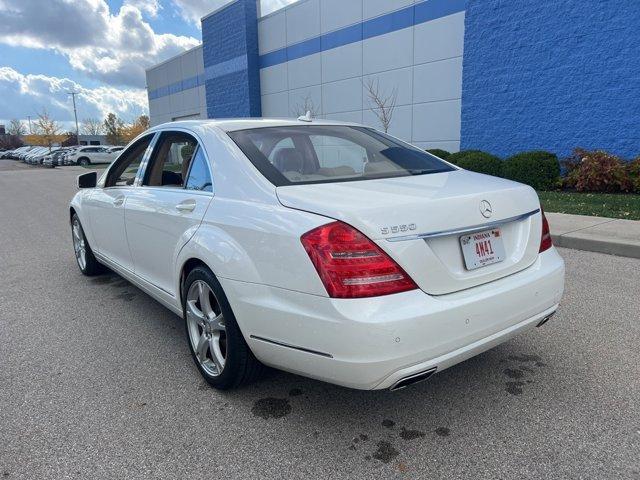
[[47, 128], [16, 127], [92, 126], [381, 104], [306, 106]]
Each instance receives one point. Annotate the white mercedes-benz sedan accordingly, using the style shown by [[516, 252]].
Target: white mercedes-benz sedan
[[326, 249]]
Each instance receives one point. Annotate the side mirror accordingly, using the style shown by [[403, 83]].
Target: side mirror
[[88, 180]]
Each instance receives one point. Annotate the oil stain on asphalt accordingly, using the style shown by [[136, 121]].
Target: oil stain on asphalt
[[388, 423], [385, 452], [517, 382], [406, 434], [270, 407]]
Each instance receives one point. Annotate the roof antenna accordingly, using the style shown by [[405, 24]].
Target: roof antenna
[[306, 117]]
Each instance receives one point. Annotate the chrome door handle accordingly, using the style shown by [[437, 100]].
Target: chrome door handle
[[186, 206], [118, 201]]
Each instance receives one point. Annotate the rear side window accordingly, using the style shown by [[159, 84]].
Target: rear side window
[[292, 155], [199, 177]]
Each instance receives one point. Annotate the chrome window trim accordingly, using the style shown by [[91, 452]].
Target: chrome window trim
[[174, 190], [461, 231]]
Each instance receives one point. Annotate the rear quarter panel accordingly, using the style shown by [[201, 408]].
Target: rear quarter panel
[[255, 243]]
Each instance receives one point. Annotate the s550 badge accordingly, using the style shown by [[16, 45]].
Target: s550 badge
[[398, 228]]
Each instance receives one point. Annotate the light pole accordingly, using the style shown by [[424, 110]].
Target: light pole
[[30, 131], [75, 114]]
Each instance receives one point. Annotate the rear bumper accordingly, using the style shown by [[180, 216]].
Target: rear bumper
[[372, 343]]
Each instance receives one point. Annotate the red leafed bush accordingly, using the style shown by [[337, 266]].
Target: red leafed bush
[[633, 169], [596, 171]]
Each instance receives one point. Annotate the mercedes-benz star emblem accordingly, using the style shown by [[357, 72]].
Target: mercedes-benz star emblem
[[485, 209]]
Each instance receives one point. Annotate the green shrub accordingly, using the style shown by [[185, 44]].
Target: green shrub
[[633, 170], [455, 157], [597, 171], [438, 152], [477, 161], [539, 169]]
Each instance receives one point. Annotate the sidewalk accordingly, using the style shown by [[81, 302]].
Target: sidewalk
[[596, 234]]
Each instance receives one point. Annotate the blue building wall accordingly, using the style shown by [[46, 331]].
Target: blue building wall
[[554, 75], [230, 52]]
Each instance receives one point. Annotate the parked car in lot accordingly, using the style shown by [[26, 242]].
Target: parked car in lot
[[326, 249], [66, 156], [114, 150], [91, 155], [23, 155], [15, 154], [54, 159], [35, 156], [7, 153]]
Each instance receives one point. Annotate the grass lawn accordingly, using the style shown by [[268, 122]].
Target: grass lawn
[[610, 205]]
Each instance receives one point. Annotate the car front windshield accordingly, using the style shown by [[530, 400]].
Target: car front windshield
[[292, 155]]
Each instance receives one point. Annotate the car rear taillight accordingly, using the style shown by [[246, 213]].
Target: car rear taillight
[[545, 240], [352, 266]]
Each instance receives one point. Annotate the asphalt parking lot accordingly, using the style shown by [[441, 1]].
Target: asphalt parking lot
[[96, 381]]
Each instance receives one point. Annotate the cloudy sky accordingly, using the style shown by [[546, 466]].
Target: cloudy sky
[[98, 48]]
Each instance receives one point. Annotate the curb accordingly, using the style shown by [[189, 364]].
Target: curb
[[597, 244]]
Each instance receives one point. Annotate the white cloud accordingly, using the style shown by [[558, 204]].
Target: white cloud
[[149, 7], [269, 6], [22, 95], [194, 10], [113, 48]]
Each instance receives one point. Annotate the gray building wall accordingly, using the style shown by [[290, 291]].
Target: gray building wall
[[92, 139], [321, 54], [176, 88], [423, 62]]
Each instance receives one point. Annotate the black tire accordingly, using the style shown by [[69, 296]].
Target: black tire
[[84, 161], [91, 267], [241, 366]]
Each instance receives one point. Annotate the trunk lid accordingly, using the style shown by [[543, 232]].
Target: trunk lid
[[393, 212]]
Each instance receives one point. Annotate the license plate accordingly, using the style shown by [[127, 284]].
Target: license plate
[[482, 248]]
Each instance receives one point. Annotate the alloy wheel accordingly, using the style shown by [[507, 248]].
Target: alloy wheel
[[79, 244], [206, 327]]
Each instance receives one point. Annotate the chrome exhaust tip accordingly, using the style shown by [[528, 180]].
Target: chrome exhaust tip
[[545, 320], [412, 379]]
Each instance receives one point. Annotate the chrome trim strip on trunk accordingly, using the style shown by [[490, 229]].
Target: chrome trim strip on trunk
[[460, 231], [282, 344]]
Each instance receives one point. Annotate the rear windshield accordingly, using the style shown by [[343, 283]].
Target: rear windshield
[[294, 155]]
